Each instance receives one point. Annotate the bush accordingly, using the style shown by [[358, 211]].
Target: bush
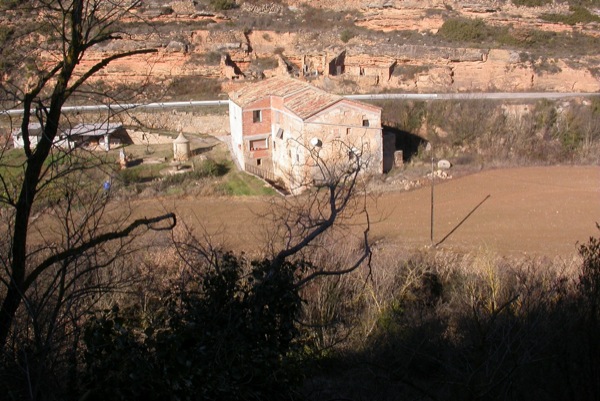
[[317, 18], [265, 63], [211, 168], [531, 3], [407, 71], [222, 5], [579, 15], [226, 332], [464, 29], [346, 35], [212, 58], [198, 87], [589, 280], [447, 326]]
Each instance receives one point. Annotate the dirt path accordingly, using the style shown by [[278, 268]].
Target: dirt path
[[532, 211]]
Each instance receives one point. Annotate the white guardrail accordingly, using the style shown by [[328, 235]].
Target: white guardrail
[[379, 96], [131, 106]]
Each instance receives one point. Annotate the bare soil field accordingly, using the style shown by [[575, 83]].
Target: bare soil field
[[533, 211]]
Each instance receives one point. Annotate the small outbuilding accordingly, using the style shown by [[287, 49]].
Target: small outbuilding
[[181, 148], [35, 134], [98, 135]]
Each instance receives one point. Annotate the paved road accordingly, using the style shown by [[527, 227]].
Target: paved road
[[385, 96], [474, 95]]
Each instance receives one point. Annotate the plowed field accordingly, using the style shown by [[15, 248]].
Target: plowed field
[[537, 211]]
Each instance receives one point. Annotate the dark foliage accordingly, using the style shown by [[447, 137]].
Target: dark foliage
[[531, 3], [578, 15], [464, 29], [455, 338], [221, 5], [228, 333]]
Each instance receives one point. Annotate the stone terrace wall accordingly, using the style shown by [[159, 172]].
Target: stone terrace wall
[[187, 122]]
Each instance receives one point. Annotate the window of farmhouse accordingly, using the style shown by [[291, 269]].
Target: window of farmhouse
[[259, 144], [365, 122], [256, 116]]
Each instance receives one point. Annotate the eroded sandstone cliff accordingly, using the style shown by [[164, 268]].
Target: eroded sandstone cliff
[[376, 45]]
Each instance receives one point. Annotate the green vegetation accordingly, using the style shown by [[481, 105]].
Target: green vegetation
[[187, 87], [91, 170], [152, 175], [212, 58], [464, 30], [11, 169], [475, 32], [5, 33], [490, 327], [10, 4], [408, 71], [425, 325], [222, 5], [579, 15], [346, 35], [101, 314], [541, 132], [214, 175], [241, 184], [317, 18], [531, 3], [265, 63], [227, 332], [541, 3]]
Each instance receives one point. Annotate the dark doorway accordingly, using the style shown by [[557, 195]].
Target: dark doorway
[[397, 139]]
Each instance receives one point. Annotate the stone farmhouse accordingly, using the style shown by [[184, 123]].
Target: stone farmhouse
[[288, 131]]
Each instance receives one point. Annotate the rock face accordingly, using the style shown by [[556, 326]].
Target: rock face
[[194, 42]]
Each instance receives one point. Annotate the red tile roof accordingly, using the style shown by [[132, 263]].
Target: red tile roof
[[299, 97]]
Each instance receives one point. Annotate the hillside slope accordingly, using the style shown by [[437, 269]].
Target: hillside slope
[[359, 46]]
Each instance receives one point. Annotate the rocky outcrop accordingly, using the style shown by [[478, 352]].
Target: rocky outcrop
[[194, 41]]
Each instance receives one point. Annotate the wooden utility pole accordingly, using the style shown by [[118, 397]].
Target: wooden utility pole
[[432, 185]]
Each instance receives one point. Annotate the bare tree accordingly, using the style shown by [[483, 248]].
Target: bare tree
[[40, 81], [334, 201]]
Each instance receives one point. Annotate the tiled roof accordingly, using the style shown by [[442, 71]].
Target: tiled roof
[[35, 129], [94, 129], [299, 97]]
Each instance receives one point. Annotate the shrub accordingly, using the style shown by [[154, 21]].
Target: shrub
[[531, 3], [464, 29], [212, 58], [210, 168], [226, 332], [317, 18], [266, 63], [222, 5], [196, 87], [589, 279], [346, 35], [578, 15], [408, 71]]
